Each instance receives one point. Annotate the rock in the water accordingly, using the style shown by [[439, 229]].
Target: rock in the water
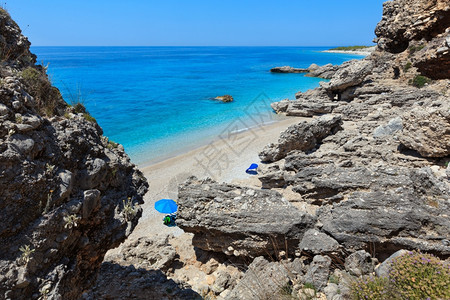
[[225, 98], [239, 221], [287, 69], [427, 130], [303, 136]]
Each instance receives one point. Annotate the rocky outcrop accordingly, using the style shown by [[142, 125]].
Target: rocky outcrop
[[421, 28], [67, 194], [428, 130], [303, 136], [287, 69], [351, 75], [239, 221], [409, 20], [327, 71]]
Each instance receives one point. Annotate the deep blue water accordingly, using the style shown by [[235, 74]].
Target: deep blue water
[[157, 100]]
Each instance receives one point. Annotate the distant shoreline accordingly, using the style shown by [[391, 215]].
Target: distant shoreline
[[362, 51]]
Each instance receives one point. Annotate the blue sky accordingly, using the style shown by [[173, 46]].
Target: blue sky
[[197, 22]]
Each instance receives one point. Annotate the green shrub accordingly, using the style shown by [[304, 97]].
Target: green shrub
[[89, 118], [414, 49], [46, 95], [349, 48], [407, 66], [79, 108], [419, 81], [412, 276], [417, 275], [112, 145], [373, 288]]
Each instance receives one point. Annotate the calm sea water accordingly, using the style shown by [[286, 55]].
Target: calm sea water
[[156, 101]]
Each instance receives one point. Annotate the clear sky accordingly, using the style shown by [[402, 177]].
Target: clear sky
[[197, 22]]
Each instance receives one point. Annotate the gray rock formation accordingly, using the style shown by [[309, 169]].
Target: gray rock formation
[[352, 74], [239, 221], [427, 130], [266, 280], [326, 71], [318, 242], [66, 194], [420, 27], [318, 272], [303, 136], [359, 263]]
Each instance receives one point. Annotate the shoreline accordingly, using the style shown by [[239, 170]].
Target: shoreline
[[232, 128], [225, 159], [363, 52]]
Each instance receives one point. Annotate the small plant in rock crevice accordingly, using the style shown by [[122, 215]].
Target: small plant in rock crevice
[[26, 253], [129, 211], [407, 66], [49, 168], [71, 221]]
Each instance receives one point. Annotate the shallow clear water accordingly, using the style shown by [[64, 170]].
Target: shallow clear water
[[156, 101]]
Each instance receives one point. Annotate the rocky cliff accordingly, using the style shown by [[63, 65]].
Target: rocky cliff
[[366, 179], [67, 194]]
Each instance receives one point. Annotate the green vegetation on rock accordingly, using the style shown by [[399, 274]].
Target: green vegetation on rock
[[419, 81], [350, 48], [46, 96]]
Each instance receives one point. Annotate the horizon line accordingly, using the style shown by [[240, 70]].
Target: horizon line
[[310, 46]]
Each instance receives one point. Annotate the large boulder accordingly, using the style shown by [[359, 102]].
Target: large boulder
[[427, 130], [239, 221], [352, 74], [303, 136], [327, 71]]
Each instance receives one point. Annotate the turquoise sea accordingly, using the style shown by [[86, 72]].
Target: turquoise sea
[[156, 101]]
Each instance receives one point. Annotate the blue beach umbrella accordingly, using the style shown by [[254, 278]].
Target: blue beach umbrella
[[166, 206], [253, 169]]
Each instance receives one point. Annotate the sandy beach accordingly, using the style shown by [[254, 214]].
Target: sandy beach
[[224, 160], [364, 51]]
